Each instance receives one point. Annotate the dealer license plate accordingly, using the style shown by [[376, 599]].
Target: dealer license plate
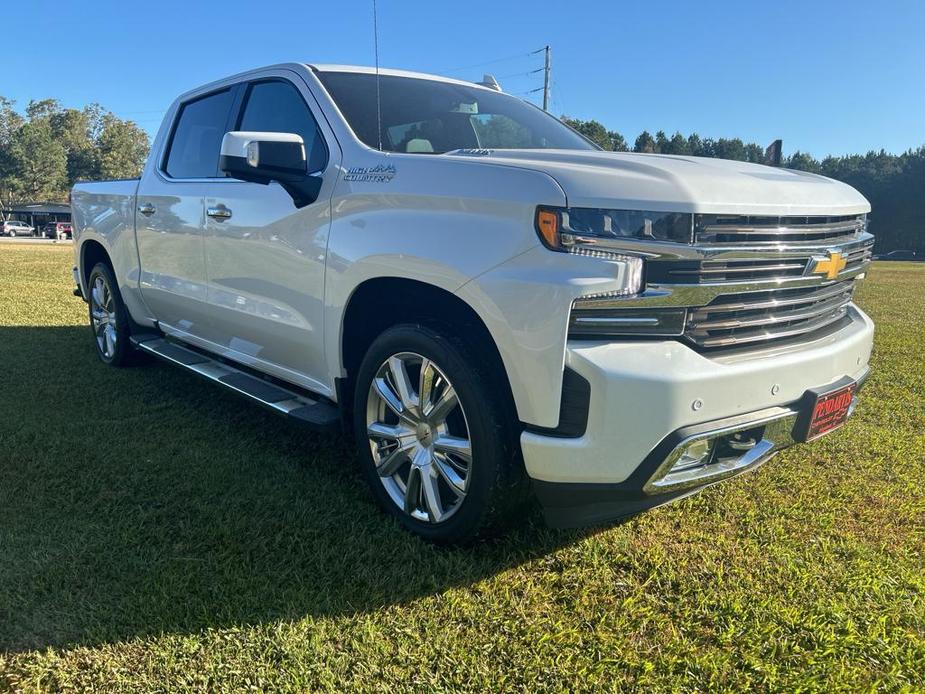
[[827, 411]]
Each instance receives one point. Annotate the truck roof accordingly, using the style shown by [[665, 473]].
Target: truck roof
[[363, 69], [319, 67]]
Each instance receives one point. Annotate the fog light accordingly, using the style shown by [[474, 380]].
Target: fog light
[[696, 454]]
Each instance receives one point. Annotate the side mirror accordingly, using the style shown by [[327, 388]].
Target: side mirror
[[265, 157]]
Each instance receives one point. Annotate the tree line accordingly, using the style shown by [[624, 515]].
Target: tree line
[[44, 151], [893, 183]]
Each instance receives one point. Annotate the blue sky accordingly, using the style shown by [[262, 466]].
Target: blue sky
[[829, 77]]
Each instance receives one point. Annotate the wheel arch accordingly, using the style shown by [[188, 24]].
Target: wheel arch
[[381, 302], [91, 253]]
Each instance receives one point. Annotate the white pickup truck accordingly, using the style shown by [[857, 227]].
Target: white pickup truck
[[479, 293]]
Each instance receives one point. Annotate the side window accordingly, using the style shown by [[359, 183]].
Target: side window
[[278, 107], [197, 137]]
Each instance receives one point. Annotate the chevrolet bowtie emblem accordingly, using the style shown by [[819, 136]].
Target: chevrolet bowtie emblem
[[829, 266]]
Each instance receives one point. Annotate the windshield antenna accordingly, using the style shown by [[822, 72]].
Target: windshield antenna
[[378, 99]]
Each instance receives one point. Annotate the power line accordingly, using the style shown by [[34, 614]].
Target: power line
[[519, 74], [556, 93], [547, 75], [488, 62], [546, 70]]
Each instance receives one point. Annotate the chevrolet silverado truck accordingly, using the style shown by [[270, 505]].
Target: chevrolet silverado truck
[[487, 300]]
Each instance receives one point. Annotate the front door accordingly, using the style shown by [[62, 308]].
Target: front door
[[264, 257]]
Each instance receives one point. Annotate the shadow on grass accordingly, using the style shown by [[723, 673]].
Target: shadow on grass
[[142, 501]]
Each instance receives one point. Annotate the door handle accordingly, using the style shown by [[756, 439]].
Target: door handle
[[146, 209], [219, 213]]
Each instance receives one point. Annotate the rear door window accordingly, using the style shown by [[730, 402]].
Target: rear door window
[[197, 137], [277, 107]]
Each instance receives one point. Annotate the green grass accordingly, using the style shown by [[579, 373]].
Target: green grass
[[157, 534]]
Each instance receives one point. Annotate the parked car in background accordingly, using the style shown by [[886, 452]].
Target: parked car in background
[[14, 227], [58, 230], [483, 294], [897, 255]]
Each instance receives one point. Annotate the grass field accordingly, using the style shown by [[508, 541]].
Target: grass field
[[157, 534]]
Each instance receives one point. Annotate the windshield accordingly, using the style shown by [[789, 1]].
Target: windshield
[[425, 116]]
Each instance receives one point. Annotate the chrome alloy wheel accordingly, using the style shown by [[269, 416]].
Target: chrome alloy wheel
[[103, 316], [419, 437]]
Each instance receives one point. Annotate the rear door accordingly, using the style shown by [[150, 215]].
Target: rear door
[[170, 214], [265, 258]]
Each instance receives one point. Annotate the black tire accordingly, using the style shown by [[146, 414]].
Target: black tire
[[122, 349], [495, 477]]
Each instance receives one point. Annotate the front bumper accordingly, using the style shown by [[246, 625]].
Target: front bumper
[[649, 397]]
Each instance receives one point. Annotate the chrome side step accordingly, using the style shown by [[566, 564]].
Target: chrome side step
[[315, 412]]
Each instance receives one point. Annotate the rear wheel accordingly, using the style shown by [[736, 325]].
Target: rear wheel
[[108, 317], [434, 442]]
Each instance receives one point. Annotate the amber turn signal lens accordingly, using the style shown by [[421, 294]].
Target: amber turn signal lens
[[547, 224]]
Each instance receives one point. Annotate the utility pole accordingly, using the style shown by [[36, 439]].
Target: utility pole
[[546, 71]]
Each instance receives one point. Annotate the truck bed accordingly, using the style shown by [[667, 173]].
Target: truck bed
[[104, 213]]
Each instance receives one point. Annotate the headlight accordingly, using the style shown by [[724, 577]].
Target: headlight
[[597, 233], [573, 229]]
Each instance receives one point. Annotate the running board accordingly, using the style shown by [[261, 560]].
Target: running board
[[317, 413]]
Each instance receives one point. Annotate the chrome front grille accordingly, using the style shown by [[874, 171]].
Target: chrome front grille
[[738, 319], [735, 270], [710, 271], [764, 230], [743, 281], [858, 258]]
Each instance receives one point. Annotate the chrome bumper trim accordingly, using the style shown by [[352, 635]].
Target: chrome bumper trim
[[778, 423]]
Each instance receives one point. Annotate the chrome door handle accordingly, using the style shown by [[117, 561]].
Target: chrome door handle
[[219, 213], [146, 209]]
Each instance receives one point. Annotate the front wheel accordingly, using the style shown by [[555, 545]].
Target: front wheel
[[108, 317], [435, 444]]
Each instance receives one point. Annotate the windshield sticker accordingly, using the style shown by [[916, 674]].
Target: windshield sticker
[[371, 174]]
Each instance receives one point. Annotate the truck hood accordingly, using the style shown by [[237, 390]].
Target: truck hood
[[680, 183]]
